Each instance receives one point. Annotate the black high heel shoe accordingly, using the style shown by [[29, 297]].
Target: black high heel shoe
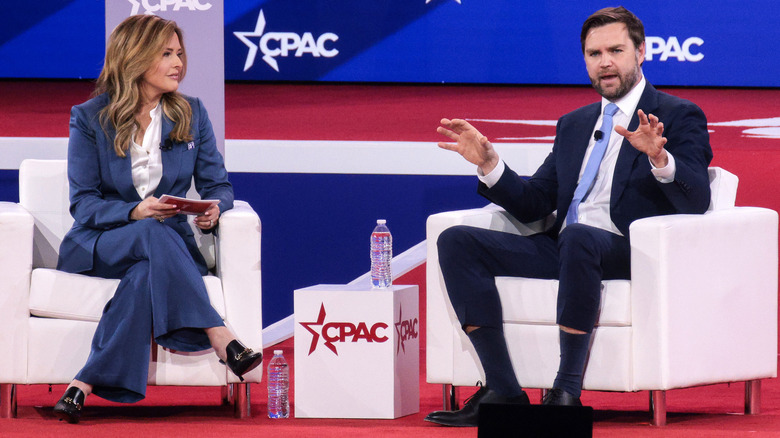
[[240, 359], [69, 406]]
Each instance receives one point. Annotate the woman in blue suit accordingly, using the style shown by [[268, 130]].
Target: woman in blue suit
[[136, 140]]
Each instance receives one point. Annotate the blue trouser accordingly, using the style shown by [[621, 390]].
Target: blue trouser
[[161, 294], [580, 258]]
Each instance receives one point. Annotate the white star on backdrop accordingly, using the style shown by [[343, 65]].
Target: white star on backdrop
[[243, 36], [136, 7]]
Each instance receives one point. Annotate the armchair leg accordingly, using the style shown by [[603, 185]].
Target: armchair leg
[[658, 407], [450, 396], [753, 397], [7, 400], [227, 394], [241, 400]]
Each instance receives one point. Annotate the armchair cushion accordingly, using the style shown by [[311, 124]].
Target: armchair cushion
[[533, 301], [57, 294]]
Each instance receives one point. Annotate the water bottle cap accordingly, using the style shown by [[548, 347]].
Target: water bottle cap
[[278, 352], [381, 221]]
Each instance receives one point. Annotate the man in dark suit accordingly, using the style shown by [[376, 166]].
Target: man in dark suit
[[599, 180]]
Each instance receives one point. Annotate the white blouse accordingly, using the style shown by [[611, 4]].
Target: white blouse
[[146, 158]]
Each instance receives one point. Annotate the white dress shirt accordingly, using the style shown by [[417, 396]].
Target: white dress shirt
[[146, 158], [594, 209]]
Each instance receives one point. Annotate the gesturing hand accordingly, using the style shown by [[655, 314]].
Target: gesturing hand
[[152, 207], [648, 138], [469, 143]]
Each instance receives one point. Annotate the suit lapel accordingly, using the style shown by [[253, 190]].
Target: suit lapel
[[121, 168], [628, 154], [171, 159]]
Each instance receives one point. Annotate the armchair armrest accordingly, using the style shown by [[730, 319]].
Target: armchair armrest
[[441, 322], [238, 266], [16, 232], [704, 297]]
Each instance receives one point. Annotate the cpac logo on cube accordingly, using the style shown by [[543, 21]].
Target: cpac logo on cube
[[275, 44], [406, 329], [335, 332], [152, 6]]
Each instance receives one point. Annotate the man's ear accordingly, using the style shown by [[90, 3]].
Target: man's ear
[[640, 51]]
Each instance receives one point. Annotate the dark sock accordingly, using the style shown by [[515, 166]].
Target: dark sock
[[490, 345], [574, 352]]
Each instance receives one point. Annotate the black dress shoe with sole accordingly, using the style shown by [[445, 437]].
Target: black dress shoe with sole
[[469, 415], [559, 397], [242, 360], [69, 406]]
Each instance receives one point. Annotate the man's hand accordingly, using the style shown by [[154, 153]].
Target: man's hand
[[152, 207], [469, 143], [648, 138]]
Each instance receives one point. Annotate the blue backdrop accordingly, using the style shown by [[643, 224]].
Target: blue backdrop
[[726, 43]]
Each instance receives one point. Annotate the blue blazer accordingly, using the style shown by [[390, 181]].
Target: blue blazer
[[635, 191], [101, 185]]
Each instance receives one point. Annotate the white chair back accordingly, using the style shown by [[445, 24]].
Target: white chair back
[[44, 192], [723, 185]]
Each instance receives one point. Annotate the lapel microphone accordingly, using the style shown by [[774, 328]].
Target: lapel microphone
[[598, 135], [166, 145]]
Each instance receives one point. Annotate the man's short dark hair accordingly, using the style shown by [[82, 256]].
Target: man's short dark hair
[[602, 17]]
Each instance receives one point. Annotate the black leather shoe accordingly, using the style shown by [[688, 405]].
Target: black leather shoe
[[240, 359], [559, 397], [69, 406], [469, 415]]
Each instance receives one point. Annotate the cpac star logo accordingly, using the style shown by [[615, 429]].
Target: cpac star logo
[[152, 6], [274, 44], [333, 332], [250, 57], [404, 330], [315, 335]]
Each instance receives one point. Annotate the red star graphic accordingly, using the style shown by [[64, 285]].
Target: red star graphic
[[315, 335], [398, 330]]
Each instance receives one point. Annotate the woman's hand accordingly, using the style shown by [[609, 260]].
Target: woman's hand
[[152, 207], [209, 219]]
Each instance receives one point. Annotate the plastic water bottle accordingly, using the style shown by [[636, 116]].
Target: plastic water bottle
[[278, 387], [381, 256]]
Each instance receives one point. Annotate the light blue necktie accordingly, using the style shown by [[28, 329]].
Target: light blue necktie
[[592, 168]]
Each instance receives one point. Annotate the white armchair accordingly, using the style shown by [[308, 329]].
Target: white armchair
[[49, 316], [700, 308]]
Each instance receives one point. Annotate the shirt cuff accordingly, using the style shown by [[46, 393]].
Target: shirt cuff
[[666, 174], [492, 178]]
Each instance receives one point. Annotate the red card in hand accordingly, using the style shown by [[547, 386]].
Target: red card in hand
[[189, 206]]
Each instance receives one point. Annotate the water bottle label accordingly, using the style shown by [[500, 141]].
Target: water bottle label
[[278, 387], [381, 257]]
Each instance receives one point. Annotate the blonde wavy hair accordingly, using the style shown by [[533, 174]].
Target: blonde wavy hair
[[133, 48]]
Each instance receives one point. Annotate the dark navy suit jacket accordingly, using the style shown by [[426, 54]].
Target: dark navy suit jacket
[[101, 185], [635, 191]]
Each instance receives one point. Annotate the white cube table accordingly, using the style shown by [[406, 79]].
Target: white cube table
[[357, 352]]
